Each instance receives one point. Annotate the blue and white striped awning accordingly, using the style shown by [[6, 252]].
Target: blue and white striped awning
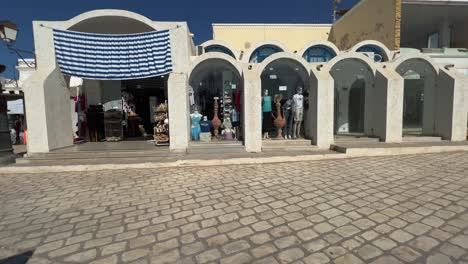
[[113, 57]]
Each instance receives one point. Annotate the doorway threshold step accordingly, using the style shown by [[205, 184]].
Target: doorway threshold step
[[421, 139], [286, 142]]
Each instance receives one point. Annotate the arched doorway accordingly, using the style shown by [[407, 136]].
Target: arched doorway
[[319, 53], [216, 81], [122, 108], [285, 78], [263, 52], [354, 82], [420, 80]]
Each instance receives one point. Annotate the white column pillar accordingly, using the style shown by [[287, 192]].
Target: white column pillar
[[321, 107], [48, 113], [178, 112], [252, 110], [451, 105], [388, 112]]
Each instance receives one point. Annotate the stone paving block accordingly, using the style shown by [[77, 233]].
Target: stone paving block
[[82, 257], [263, 250], [236, 246], [307, 234], [217, 240], [287, 241], [209, 255], [417, 228], [316, 245], [460, 240], [406, 253], [113, 248], [423, 243], [384, 243], [290, 255], [401, 236], [172, 256], [438, 259], [316, 258], [452, 250], [368, 252]]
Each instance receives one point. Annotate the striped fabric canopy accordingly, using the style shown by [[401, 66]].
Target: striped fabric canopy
[[113, 57]]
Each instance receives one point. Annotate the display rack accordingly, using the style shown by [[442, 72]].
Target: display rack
[[161, 125]]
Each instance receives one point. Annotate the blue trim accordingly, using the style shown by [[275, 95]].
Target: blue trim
[[86, 34], [381, 57], [219, 48], [319, 53], [263, 52]]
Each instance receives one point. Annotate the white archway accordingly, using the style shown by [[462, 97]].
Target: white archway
[[216, 74], [354, 80], [281, 74], [420, 75]]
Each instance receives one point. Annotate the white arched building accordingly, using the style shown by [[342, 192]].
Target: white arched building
[[362, 90]]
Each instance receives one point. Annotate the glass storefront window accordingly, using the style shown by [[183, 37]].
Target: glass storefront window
[[318, 53], [263, 52], [379, 55], [219, 48]]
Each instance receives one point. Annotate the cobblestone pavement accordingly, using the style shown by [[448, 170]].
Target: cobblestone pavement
[[402, 209]]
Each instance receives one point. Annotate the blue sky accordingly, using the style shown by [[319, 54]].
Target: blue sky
[[199, 15]]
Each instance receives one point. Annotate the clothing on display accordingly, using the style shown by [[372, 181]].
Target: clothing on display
[[195, 128], [235, 118], [288, 116], [237, 99], [298, 114], [298, 100], [205, 126], [266, 104], [267, 119]]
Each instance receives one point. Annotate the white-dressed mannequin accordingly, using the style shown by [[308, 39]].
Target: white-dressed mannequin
[[298, 112]]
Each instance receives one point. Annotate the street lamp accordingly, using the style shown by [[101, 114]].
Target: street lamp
[[8, 31]]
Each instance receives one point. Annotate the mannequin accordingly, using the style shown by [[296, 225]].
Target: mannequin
[[228, 132], [205, 127], [235, 121], [288, 117], [267, 121], [298, 110], [195, 129]]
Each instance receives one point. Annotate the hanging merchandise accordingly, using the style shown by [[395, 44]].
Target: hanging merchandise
[[161, 128]]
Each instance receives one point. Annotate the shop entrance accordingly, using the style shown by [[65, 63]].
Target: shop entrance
[[286, 81], [215, 99], [353, 87], [121, 110], [418, 100]]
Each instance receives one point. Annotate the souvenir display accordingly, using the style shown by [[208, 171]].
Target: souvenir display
[[279, 120], [161, 128]]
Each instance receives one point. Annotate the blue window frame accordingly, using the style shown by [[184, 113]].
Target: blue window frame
[[318, 53], [219, 48], [379, 55], [263, 52]]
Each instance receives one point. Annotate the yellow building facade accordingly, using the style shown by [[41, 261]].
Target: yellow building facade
[[292, 36]]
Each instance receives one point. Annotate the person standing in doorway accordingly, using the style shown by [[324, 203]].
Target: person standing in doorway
[[18, 127]]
